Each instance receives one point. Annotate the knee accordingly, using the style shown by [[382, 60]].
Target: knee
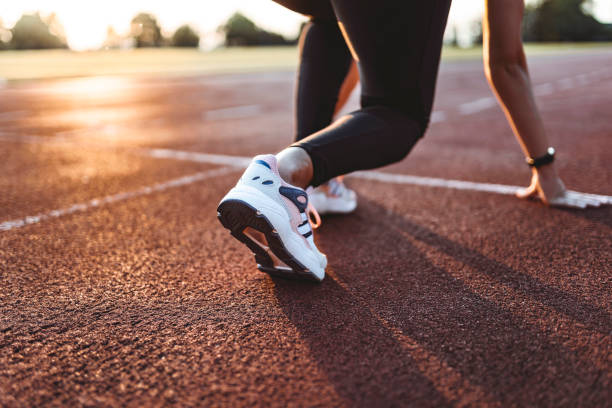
[[407, 132], [402, 109]]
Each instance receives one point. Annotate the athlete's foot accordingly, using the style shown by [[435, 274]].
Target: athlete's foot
[[270, 216], [333, 197]]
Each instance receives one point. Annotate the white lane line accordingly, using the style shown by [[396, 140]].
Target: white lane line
[[98, 202], [563, 84], [435, 182], [438, 117], [235, 161], [478, 105], [544, 89], [234, 112], [243, 161]]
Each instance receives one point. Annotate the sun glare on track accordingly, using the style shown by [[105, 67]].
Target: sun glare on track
[[91, 88]]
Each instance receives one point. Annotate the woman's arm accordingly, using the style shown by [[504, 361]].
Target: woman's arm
[[506, 70]]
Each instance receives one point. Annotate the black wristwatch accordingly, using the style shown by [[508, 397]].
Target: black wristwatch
[[548, 158]]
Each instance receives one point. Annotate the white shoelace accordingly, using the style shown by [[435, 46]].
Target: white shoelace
[[336, 187]]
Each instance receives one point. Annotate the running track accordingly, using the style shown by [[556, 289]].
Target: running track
[[120, 288]]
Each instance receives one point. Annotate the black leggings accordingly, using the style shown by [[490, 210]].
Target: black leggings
[[397, 45]]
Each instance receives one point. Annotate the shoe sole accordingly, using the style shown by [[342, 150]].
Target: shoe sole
[[238, 216]]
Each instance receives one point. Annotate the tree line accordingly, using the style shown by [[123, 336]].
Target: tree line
[[33, 31], [563, 20], [547, 20]]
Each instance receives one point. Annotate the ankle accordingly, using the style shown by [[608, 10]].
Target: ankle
[[295, 166]]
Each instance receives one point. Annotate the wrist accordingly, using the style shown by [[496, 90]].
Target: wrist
[[542, 160]]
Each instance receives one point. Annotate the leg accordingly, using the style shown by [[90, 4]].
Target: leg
[[325, 61], [397, 46]]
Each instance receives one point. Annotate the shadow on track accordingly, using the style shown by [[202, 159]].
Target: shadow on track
[[377, 275], [602, 215], [358, 354]]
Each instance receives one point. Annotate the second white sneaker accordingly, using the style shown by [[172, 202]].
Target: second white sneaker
[[333, 197]]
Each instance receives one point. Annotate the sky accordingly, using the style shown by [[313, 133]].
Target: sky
[[86, 22]]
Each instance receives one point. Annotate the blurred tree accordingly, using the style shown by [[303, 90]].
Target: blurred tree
[[454, 39], [112, 40], [241, 31], [563, 20], [31, 32], [185, 36], [476, 31], [55, 27], [5, 36], [146, 31]]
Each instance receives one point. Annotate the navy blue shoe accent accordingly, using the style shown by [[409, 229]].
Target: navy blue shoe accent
[[267, 182], [255, 178], [263, 163], [304, 223], [306, 235], [293, 194]]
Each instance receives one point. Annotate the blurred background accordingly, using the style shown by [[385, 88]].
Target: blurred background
[[62, 38]]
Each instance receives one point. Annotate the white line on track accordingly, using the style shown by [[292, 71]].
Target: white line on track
[[234, 112], [478, 105], [563, 84], [435, 182], [543, 89], [243, 161], [98, 202], [237, 162], [438, 116]]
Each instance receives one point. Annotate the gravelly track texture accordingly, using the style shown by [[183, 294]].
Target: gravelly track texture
[[434, 297]]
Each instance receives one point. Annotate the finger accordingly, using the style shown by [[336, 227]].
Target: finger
[[567, 202], [601, 198], [528, 192], [585, 198]]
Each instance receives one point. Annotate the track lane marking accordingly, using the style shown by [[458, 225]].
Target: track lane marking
[[109, 199], [435, 182], [232, 112], [243, 162], [236, 163], [546, 88]]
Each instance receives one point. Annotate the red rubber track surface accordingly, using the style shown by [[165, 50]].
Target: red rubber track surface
[[433, 297]]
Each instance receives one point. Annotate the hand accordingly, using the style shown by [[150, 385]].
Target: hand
[[548, 187]]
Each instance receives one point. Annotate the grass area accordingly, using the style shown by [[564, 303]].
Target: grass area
[[23, 65]]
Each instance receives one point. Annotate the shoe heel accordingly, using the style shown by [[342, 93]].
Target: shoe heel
[[237, 216]]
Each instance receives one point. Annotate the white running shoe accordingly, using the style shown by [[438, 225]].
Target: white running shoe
[[333, 197], [271, 217]]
